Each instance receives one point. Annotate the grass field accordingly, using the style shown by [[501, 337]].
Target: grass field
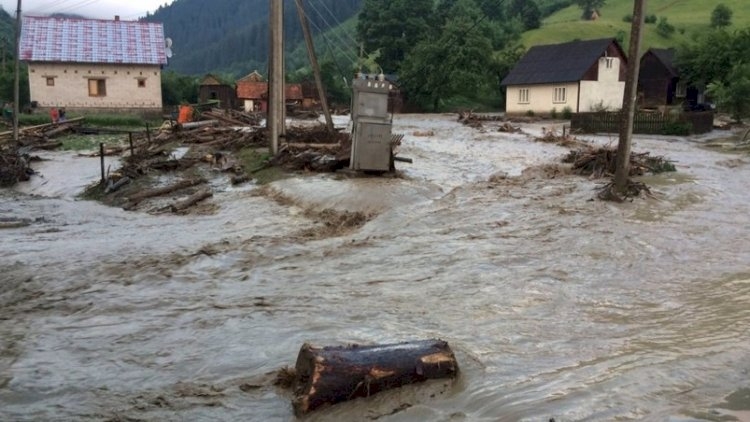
[[689, 17]]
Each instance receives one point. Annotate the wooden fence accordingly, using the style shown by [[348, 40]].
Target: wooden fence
[[645, 123]]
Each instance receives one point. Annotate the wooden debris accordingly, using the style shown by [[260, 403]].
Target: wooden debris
[[14, 167], [330, 375], [602, 161], [633, 189], [509, 128], [183, 184], [191, 200], [551, 136]]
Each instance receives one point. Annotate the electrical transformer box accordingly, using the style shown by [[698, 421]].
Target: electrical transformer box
[[373, 149], [371, 131]]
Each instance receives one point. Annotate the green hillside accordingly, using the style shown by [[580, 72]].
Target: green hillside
[[687, 16]]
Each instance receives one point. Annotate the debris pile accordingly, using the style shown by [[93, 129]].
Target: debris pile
[[551, 136], [41, 136], [509, 128], [14, 167], [602, 161]]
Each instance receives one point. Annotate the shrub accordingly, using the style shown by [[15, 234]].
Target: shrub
[[530, 113], [553, 113], [627, 18], [677, 128], [567, 113], [664, 28], [650, 19]]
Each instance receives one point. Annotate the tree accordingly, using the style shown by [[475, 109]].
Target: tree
[[528, 11], [394, 27], [664, 28], [733, 96], [710, 57], [589, 7], [456, 63], [721, 16]]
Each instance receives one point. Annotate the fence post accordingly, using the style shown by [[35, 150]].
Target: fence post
[[101, 155], [130, 138]]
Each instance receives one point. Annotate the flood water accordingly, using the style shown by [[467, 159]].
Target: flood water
[[557, 306]]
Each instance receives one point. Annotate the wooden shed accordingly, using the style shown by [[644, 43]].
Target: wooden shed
[[212, 88]]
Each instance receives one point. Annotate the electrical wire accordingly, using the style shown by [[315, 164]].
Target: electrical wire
[[337, 21]]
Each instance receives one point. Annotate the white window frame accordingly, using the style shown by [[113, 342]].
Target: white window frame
[[680, 90], [523, 96], [560, 95]]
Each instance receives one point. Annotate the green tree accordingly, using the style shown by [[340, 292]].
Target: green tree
[[394, 27], [664, 28], [177, 88], [721, 16], [589, 7], [502, 63], [456, 63], [733, 96], [528, 11], [710, 57]]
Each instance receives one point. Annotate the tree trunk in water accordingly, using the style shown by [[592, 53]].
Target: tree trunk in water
[[330, 375]]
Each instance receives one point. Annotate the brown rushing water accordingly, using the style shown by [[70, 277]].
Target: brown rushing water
[[556, 306]]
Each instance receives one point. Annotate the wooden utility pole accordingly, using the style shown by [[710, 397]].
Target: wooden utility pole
[[622, 172], [275, 121], [16, 82], [314, 64]]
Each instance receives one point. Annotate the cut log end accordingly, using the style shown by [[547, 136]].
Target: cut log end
[[330, 375]]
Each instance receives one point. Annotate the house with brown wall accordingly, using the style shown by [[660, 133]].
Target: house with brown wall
[[93, 64], [214, 89]]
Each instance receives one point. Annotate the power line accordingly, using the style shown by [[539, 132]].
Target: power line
[[337, 21], [327, 40], [332, 31]]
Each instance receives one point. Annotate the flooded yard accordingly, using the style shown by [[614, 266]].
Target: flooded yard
[[557, 305]]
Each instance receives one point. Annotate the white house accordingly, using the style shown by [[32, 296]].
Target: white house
[[580, 76], [94, 65]]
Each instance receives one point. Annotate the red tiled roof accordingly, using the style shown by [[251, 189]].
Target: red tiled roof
[[47, 39], [257, 90], [251, 90]]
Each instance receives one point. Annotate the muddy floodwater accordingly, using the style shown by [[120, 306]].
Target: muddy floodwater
[[557, 306]]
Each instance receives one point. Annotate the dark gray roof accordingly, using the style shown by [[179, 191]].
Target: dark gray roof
[[557, 63], [666, 57]]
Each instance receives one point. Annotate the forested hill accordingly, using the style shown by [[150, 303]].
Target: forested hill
[[231, 36]]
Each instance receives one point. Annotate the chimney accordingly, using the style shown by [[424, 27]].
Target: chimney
[[117, 18]]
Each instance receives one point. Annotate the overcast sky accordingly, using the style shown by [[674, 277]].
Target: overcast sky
[[102, 9]]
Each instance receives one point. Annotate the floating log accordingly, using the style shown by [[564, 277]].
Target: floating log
[[135, 199], [330, 375], [191, 200], [196, 125]]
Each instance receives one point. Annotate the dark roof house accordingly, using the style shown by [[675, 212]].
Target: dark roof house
[[578, 75]]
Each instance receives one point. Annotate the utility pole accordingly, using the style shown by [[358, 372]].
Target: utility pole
[[314, 64], [622, 172], [275, 121], [16, 82]]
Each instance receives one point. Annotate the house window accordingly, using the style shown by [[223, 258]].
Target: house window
[[141, 83], [609, 62], [560, 95], [50, 81], [681, 90], [523, 96], [97, 88]]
